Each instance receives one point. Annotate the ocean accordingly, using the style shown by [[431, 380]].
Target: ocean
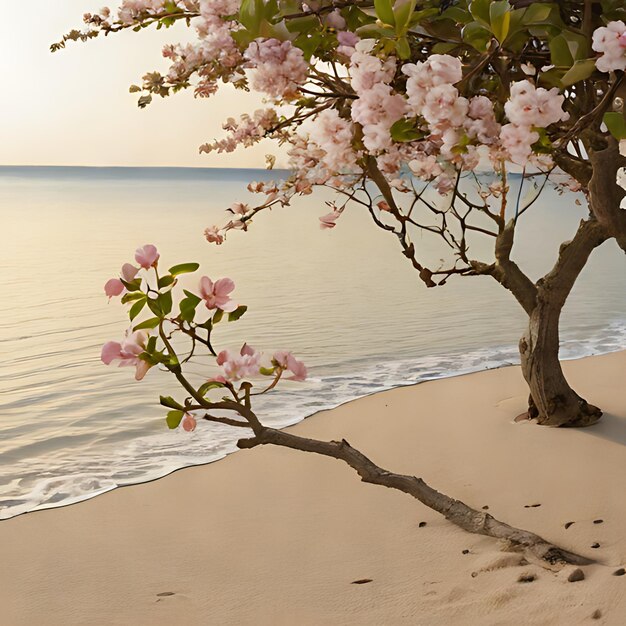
[[345, 301]]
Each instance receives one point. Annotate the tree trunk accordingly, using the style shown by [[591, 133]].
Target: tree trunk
[[552, 401]]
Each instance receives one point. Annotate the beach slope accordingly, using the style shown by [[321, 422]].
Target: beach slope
[[274, 536]]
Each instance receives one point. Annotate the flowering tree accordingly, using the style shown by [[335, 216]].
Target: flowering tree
[[384, 102], [177, 330]]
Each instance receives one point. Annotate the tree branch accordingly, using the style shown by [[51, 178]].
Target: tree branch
[[457, 512]]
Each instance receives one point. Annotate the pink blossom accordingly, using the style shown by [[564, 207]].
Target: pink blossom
[[610, 41], [286, 361], [147, 256], [188, 423], [212, 235], [127, 353], [237, 366], [329, 220], [129, 272], [279, 67], [113, 287], [216, 295]]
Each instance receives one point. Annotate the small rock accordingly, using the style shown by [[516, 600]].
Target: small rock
[[619, 572], [531, 506], [597, 614], [361, 581], [595, 545], [465, 551], [568, 524], [576, 575], [486, 507], [422, 524], [526, 578], [598, 521], [164, 594], [474, 574]]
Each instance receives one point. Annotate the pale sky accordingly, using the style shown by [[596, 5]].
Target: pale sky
[[73, 107]]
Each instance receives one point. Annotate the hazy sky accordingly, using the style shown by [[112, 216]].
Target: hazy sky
[[73, 107]]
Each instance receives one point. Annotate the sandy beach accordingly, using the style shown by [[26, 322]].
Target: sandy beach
[[273, 536]]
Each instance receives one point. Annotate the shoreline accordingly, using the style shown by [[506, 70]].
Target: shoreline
[[275, 536], [481, 365]]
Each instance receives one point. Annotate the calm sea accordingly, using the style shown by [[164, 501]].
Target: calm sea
[[345, 301]]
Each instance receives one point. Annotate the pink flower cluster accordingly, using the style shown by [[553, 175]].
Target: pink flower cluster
[[250, 129], [527, 109], [146, 256], [610, 41], [127, 353], [240, 365], [377, 107], [279, 68], [333, 135]]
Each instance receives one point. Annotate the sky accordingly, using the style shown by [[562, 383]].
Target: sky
[[73, 107]]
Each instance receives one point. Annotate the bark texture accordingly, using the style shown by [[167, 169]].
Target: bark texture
[[478, 522], [554, 402]]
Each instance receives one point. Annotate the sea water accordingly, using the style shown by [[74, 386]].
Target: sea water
[[345, 301]]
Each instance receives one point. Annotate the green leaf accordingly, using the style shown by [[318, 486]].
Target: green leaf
[[132, 285], [165, 302], [560, 52], [217, 317], [183, 268], [384, 11], [131, 297], [237, 313], [212, 384], [136, 309], [403, 48], [166, 281], [154, 306], [188, 308], [477, 36], [267, 371], [402, 12], [405, 130], [616, 124], [174, 418], [153, 322], [151, 345], [537, 13], [170, 403], [480, 11], [500, 18], [581, 70]]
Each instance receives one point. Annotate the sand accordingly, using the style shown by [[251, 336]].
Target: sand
[[274, 536]]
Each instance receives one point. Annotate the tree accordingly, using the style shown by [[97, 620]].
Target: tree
[[384, 101], [180, 330]]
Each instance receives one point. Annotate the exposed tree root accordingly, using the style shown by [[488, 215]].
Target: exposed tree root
[[533, 546]]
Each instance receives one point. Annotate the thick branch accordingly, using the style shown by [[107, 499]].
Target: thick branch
[[573, 256], [457, 512], [605, 194], [507, 272]]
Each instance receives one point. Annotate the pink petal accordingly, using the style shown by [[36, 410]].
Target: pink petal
[[129, 272], [142, 369], [223, 287], [228, 307], [147, 256], [189, 423], [246, 349], [113, 287], [206, 287], [111, 351]]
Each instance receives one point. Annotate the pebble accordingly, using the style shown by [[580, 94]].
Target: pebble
[[568, 524], [619, 572], [595, 545], [598, 521], [466, 551], [526, 578], [576, 575], [361, 581], [597, 614], [422, 524], [531, 506]]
